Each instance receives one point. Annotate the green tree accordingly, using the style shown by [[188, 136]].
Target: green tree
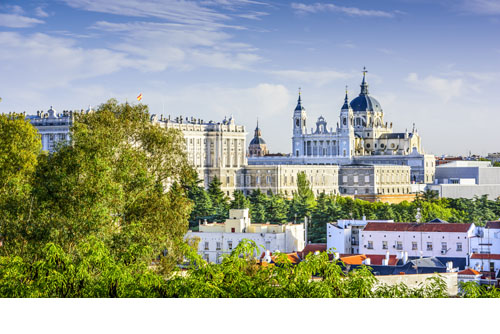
[[20, 147], [239, 201], [276, 209], [219, 200], [258, 205], [119, 181]]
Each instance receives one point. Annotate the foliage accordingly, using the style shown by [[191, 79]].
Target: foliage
[[118, 181]]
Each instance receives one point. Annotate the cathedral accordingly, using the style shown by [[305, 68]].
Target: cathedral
[[361, 136], [361, 130]]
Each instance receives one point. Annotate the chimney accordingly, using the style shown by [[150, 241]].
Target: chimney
[[387, 256], [267, 257], [405, 257], [449, 267]]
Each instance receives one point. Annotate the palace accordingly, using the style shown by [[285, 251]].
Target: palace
[[362, 157]]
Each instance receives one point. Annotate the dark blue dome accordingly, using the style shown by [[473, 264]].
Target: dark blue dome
[[257, 141], [365, 103]]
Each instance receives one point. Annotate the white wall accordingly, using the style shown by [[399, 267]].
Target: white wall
[[290, 241], [421, 238]]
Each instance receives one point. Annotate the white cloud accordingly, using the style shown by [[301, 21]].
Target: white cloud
[[487, 7], [446, 89], [172, 10], [302, 8], [40, 12], [40, 61], [158, 46], [318, 78], [18, 21]]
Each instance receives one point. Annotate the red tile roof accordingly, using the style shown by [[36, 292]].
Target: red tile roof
[[293, 257], [469, 272], [493, 224], [376, 260], [311, 248], [418, 227], [485, 256], [353, 259]]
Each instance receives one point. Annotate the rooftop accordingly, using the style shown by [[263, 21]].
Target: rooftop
[[485, 256], [418, 227], [469, 272], [493, 224]]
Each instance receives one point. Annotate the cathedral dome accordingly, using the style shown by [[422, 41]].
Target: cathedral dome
[[365, 102], [257, 141]]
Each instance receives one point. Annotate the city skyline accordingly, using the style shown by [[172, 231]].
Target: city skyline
[[432, 63]]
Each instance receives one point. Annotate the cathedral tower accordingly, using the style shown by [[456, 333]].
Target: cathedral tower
[[345, 131], [299, 128]]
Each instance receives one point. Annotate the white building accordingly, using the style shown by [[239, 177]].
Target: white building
[[217, 239], [213, 148], [466, 179], [343, 236], [441, 240], [486, 248], [361, 136], [53, 127]]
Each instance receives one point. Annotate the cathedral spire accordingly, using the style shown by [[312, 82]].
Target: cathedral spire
[[364, 85], [257, 130], [346, 100], [299, 103]]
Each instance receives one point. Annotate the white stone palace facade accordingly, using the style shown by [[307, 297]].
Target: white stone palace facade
[[335, 161]]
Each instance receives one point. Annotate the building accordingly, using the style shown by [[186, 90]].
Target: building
[[445, 241], [466, 179], [344, 235], [53, 127], [361, 136], [275, 179], [486, 248], [213, 149], [216, 239], [257, 147], [376, 182]]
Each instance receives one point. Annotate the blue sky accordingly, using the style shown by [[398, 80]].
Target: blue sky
[[433, 63]]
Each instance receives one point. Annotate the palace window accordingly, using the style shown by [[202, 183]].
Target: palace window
[[384, 244], [399, 245], [429, 246], [459, 246], [370, 245], [414, 246], [206, 245]]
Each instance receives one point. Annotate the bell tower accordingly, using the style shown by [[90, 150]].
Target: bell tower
[[299, 128], [346, 130]]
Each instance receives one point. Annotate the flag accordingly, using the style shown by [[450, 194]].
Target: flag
[[139, 97]]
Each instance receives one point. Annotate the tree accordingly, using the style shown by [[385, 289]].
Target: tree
[[20, 147], [239, 201], [304, 200], [219, 199], [258, 205], [118, 181], [276, 209]]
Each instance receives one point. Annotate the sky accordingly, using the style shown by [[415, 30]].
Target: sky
[[434, 63]]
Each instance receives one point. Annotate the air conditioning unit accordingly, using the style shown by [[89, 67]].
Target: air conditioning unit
[[443, 251], [393, 246]]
